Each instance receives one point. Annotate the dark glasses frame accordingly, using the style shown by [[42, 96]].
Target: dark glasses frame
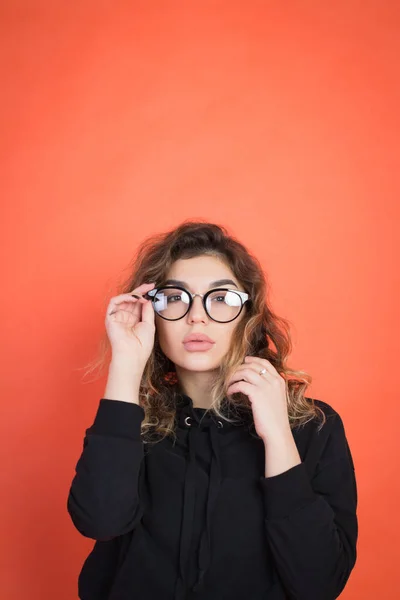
[[244, 296]]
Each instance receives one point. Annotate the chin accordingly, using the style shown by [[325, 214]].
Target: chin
[[198, 362]]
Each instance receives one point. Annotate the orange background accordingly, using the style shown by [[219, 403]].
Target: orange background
[[277, 119]]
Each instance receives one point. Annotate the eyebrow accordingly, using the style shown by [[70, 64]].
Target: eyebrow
[[217, 283]]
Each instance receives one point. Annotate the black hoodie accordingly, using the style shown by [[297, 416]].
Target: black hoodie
[[199, 520]]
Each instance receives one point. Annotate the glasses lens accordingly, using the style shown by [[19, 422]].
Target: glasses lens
[[171, 303], [222, 305]]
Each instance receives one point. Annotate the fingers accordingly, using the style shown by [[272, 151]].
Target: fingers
[[117, 300], [125, 298], [148, 312], [142, 289], [132, 298]]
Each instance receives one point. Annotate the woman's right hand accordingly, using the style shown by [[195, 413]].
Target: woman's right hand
[[130, 326]]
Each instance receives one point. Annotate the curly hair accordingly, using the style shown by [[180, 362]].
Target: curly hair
[[260, 333]]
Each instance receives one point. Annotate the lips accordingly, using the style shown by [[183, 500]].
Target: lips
[[198, 337], [198, 346]]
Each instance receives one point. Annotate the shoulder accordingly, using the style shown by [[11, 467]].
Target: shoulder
[[324, 406], [334, 419], [331, 438], [332, 416]]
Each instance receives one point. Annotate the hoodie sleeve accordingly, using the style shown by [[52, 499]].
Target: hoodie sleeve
[[103, 500], [311, 523]]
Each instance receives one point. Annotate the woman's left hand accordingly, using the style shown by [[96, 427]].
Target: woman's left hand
[[267, 394]]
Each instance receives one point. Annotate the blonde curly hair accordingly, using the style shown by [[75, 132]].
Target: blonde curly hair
[[260, 333]]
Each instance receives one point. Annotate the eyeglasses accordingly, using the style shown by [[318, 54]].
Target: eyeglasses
[[174, 302]]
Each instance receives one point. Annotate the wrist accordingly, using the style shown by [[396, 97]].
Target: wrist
[[279, 439], [123, 382], [125, 367]]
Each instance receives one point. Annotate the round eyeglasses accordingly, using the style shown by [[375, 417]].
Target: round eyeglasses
[[221, 304]]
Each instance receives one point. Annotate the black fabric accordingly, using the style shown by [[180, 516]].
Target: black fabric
[[199, 520]]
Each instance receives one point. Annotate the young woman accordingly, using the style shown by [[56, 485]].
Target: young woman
[[207, 473]]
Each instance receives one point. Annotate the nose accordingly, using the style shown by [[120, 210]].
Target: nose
[[197, 312]]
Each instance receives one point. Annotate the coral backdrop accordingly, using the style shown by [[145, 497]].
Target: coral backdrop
[[118, 119]]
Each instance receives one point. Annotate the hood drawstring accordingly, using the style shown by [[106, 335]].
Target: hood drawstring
[[208, 422]]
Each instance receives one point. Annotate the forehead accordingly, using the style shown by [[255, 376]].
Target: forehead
[[200, 272]]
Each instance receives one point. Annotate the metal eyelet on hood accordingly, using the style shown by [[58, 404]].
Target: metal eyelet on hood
[[189, 418]]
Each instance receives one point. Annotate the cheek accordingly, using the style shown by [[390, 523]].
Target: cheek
[[169, 337], [228, 333]]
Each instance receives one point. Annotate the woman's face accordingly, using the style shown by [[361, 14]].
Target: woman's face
[[198, 275]]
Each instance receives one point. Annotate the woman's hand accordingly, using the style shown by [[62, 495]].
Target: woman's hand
[[267, 394], [130, 326]]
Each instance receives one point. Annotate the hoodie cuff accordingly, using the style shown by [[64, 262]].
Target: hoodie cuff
[[115, 417], [286, 492]]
